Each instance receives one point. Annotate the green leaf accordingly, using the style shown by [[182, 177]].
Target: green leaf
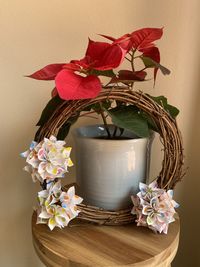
[[151, 123], [49, 109], [107, 73], [36, 138], [64, 130], [129, 118], [97, 108], [173, 111], [121, 106], [150, 63], [120, 103], [162, 101]]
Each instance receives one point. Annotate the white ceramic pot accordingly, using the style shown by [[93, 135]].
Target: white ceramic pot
[[109, 171]]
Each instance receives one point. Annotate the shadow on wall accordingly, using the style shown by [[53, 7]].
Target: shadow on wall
[[189, 247]]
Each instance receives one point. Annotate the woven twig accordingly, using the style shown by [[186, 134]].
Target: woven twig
[[170, 136], [103, 217]]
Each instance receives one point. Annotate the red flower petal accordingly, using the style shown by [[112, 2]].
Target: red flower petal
[[145, 37], [49, 72], [96, 49], [125, 42], [103, 56], [71, 86], [139, 39], [108, 37], [130, 75], [153, 53], [54, 92], [72, 66], [111, 59], [82, 63]]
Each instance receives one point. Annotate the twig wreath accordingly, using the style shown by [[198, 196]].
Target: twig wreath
[[172, 166], [78, 89]]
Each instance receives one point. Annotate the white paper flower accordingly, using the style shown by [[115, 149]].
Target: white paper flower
[[48, 159], [69, 201], [57, 208], [149, 191], [53, 215], [154, 207], [51, 195]]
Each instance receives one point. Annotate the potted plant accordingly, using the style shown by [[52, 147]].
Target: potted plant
[[111, 158]]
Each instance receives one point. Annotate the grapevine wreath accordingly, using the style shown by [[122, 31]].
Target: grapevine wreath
[[48, 159]]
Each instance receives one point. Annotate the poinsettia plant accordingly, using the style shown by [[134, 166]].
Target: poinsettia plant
[[81, 79]]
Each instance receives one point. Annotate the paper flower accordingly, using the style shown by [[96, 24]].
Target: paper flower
[[51, 195], [57, 208], [154, 207], [149, 191], [69, 201], [48, 159], [53, 215]]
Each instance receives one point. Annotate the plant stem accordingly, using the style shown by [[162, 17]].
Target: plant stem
[[87, 113], [142, 69], [132, 60], [137, 57], [127, 59], [121, 131], [115, 131], [132, 65], [104, 120]]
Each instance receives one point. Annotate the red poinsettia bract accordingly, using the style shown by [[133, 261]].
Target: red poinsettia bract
[[143, 41], [73, 86], [139, 39], [74, 80], [102, 56]]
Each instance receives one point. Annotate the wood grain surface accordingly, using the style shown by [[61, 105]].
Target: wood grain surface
[[87, 245]]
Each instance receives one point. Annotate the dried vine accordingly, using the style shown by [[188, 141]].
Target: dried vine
[[170, 136]]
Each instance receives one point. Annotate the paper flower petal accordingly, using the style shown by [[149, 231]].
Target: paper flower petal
[[52, 223], [44, 215], [77, 200]]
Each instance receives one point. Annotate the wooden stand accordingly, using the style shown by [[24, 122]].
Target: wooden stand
[[87, 245]]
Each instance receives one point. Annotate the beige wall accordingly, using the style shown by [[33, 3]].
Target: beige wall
[[35, 33]]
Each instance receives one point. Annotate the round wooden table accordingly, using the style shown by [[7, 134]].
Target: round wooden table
[[88, 245]]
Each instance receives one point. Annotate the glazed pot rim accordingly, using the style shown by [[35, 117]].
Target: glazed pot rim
[[82, 132]]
